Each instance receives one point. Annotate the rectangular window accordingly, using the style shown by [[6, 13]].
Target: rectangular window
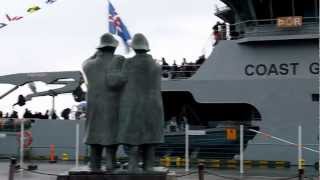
[[262, 10], [282, 8], [315, 97], [307, 8]]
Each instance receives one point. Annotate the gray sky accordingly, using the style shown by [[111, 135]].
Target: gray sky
[[62, 35]]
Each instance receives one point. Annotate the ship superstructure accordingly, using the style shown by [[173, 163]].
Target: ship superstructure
[[262, 71]]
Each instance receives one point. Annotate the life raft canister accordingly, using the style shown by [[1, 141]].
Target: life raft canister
[[27, 139]]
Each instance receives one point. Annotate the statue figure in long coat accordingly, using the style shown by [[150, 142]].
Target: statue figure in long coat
[[101, 127], [141, 110]]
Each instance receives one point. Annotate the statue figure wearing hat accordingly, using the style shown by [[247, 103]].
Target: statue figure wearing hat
[[101, 126], [141, 110]]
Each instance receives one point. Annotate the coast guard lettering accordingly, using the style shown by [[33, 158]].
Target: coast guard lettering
[[278, 69]]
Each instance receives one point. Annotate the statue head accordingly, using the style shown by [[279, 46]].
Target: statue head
[[140, 43], [108, 41]]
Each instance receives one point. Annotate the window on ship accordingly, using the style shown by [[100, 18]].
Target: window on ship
[[282, 8], [261, 11], [307, 8], [315, 97]]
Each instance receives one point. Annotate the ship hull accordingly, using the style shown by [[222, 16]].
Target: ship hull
[[214, 144], [284, 101]]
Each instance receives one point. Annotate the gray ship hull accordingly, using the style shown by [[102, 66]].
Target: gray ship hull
[[253, 73]]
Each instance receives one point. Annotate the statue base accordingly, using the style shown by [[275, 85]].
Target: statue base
[[121, 175]]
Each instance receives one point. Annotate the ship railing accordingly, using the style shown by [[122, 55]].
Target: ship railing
[[179, 72], [282, 148], [225, 152], [267, 27], [14, 124]]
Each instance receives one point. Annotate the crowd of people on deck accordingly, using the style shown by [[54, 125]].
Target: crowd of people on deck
[[187, 69], [28, 114], [183, 71], [176, 124]]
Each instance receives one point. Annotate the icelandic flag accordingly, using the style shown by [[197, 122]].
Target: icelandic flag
[[117, 27]]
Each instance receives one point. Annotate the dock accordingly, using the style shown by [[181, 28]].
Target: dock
[[47, 171]]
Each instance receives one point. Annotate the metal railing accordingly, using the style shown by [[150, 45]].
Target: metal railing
[[14, 124], [179, 72], [267, 27], [242, 163], [222, 155]]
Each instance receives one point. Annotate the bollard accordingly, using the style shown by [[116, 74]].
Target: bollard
[[178, 161], [201, 171], [12, 168], [183, 162], [167, 161], [301, 172], [65, 156], [162, 161], [52, 158], [301, 169]]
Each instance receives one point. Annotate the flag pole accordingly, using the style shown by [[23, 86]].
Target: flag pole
[[108, 14]]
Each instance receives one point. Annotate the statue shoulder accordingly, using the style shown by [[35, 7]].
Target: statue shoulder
[[86, 63], [145, 56], [149, 56], [118, 58], [151, 59], [90, 60], [129, 61], [117, 62]]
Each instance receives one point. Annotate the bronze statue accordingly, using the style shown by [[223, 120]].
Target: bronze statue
[[124, 104], [141, 111], [101, 127]]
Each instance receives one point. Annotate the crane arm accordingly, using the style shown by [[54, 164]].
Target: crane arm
[[70, 79]]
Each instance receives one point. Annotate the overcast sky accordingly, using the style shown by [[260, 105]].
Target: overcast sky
[[60, 36]]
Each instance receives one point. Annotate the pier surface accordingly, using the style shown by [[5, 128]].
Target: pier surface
[[212, 174]]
